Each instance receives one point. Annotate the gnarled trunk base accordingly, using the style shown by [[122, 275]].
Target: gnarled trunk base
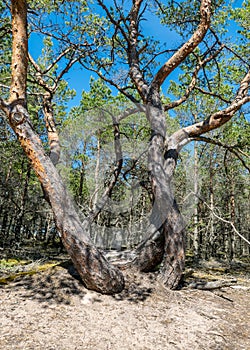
[[173, 263], [150, 252], [95, 271], [165, 247]]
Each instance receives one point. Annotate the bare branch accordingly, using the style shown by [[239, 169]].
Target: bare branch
[[110, 81], [34, 64], [58, 58], [188, 47], [39, 74], [232, 149], [112, 20], [191, 86], [213, 94], [130, 111], [64, 71], [224, 220], [229, 48]]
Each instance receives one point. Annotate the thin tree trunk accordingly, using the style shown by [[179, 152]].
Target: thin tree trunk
[[82, 177], [22, 203], [196, 241], [96, 175], [231, 234], [211, 236], [53, 137]]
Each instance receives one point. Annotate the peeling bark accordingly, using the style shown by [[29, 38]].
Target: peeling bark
[[19, 64]]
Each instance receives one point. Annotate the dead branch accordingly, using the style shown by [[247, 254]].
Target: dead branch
[[222, 219], [232, 149], [211, 285]]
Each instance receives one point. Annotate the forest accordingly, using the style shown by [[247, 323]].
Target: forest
[[151, 157]]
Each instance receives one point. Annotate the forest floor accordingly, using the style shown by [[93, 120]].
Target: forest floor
[[43, 306]]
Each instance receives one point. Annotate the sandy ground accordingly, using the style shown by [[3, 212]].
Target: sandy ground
[[51, 310]]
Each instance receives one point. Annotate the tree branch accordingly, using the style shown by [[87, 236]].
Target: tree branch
[[188, 47], [192, 86], [214, 121], [136, 73], [229, 148], [64, 71], [223, 220], [39, 74], [112, 20], [110, 81], [209, 93]]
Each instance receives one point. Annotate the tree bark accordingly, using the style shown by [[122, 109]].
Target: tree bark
[[53, 137], [19, 63], [174, 258], [166, 241]]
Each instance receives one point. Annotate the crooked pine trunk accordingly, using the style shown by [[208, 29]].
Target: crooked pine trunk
[[95, 271], [149, 254], [165, 246], [173, 263], [165, 243]]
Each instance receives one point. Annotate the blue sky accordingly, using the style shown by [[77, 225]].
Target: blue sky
[[78, 79]]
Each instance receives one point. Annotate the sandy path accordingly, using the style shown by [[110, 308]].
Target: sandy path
[[53, 311]]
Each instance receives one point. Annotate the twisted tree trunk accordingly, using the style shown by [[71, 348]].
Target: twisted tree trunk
[[165, 243]]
